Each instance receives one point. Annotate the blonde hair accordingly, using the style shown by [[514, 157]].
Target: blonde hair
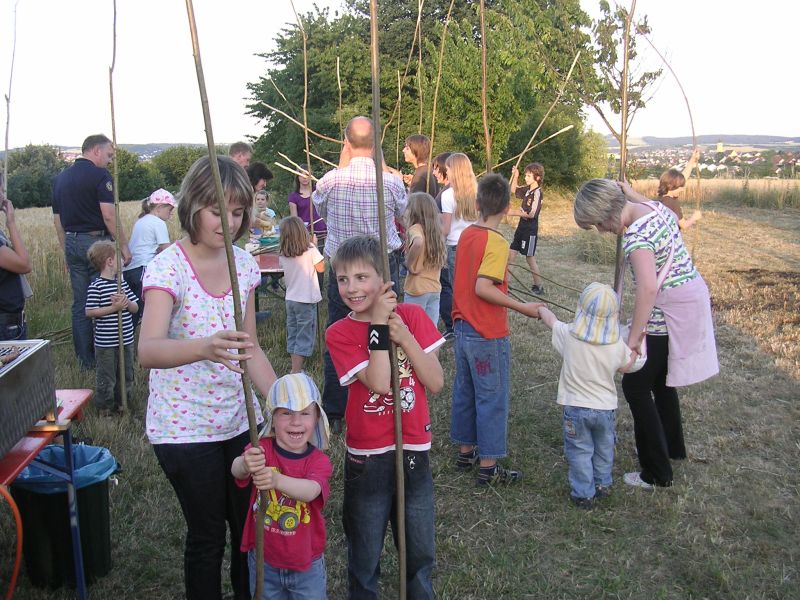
[[100, 252], [465, 186], [422, 210], [295, 239], [198, 192], [598, 201]]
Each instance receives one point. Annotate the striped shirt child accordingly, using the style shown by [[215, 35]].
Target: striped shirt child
[[105, 328]]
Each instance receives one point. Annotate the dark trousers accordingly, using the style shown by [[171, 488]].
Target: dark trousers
[[656, 414], [334, 396], [108, 394], [133, 278], [81, 274], [446, 298], [200, 474], [370, 505]]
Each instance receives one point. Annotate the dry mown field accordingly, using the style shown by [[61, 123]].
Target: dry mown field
[[728, 528]]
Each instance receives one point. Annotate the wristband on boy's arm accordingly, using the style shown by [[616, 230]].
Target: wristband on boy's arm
[[378, 337]]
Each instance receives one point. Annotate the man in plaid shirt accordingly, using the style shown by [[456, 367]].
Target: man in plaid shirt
[[348, 201]]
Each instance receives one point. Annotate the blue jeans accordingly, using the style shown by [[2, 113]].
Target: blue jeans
[[283, 584], [200, 474], [589, 448], [301, 327], [334, 396], [369, 504], [481, 392], [81, 274], [428, 302]]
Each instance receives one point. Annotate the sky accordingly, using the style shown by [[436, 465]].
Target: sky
[[735, 59]]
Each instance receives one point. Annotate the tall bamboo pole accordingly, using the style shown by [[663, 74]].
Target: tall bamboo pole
[[339, 86], [691, 124], [397, 140], [400, 533], [484, 104], [237, 306], [623, 143], [123, 392], [8, 102], [550, 109], [438, 80]]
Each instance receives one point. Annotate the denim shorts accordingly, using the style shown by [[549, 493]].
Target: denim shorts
[[301, 327], [481, 391]]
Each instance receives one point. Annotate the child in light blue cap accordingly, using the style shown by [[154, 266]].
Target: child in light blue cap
[[290, 466], [593, 353]]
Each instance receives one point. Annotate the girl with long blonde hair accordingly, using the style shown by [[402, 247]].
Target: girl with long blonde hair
[[459, 209], [426, 254]]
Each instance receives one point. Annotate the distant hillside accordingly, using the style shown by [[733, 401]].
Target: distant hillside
[[143, 150], [771, 141]]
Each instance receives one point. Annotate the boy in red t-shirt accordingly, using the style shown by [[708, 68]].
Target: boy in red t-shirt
[[358, 345], [290, 466], [479, 418]]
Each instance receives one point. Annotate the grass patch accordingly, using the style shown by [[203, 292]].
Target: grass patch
[[727, 529]]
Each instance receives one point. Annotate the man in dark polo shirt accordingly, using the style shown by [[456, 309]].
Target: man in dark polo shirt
[[83, 212]]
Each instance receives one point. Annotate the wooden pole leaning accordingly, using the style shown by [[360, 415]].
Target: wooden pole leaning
[[400, 533], [484, 102], [438, 80], [237, 307], [691, 124], [623, 144], [8, 103], [123, 392]]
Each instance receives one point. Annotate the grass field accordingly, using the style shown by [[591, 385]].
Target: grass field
[[727, 529]]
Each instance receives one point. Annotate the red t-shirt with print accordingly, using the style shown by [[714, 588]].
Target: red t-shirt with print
[[370, 416]]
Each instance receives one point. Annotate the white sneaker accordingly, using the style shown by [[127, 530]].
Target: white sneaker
[[635, 480]]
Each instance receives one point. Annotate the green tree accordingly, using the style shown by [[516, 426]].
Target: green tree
[[136, 178], [173, 163], [31, 171]]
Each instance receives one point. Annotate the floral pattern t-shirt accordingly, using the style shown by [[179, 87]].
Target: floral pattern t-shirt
[[202, 401], [658, 232]]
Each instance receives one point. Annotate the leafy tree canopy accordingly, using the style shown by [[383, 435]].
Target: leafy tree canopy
[[30, 174]]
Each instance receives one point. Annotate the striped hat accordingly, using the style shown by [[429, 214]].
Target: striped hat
[[597, 318], [296, 392]]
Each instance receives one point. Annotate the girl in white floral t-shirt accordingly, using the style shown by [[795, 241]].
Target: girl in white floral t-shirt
[[196, 415]]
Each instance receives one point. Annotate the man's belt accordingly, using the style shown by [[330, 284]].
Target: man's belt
[[97, 233], [12, 318]]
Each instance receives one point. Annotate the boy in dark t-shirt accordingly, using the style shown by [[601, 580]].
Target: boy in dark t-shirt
[[527, 233]]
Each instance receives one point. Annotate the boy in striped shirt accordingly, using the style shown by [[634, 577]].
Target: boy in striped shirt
[[102, 304]]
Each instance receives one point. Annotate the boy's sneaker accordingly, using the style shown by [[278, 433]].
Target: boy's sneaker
[[537, 289], [467, 460], [602, 491], [496, 475], [635, 479], [583, 503]]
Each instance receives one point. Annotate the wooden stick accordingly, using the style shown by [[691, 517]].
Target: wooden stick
[[691, 124], [339, 85], [293, 172], [299, 124], [277, 89], [623, 143], [419, 67], [536, 145], [305, 94], [237, 306], [549, 110], [417, 30], [123, 392], [325, 160], [399, 113], [400, 533], [8, 101], [484, 105], [438, 80]]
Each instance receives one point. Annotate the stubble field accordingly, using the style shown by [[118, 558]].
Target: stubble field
[[728, 528]]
